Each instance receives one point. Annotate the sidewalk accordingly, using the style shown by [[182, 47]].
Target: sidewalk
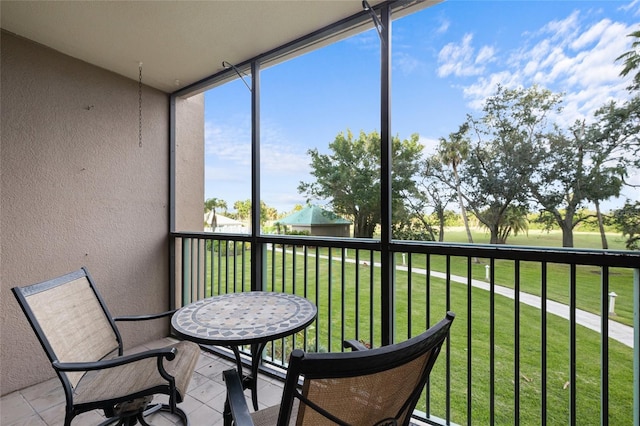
[[620, 332]]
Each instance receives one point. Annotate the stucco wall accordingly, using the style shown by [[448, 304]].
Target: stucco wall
[[78, 190]]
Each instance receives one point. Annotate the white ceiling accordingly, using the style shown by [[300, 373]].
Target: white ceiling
[[178, 42]]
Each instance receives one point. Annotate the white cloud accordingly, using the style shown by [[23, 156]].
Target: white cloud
[[485, 55], [634, 7], [568, 55], [562, 29], [444, 26], [430, 145], [405, 62], [229, 146], [458, 59]]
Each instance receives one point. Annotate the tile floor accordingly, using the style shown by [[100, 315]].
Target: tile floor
[[43, 404]]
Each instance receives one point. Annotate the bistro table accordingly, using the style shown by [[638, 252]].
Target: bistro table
[[251, 318]]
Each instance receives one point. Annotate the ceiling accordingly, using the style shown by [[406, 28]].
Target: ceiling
[[178, 42]]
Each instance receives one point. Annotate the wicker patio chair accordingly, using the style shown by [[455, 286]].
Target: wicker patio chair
[[85, 348], [373, 387]]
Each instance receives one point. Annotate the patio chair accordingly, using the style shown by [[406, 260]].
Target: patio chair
[[85, 348], [372, 387]]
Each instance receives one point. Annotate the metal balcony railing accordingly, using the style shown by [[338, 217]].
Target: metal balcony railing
[[539, 336]]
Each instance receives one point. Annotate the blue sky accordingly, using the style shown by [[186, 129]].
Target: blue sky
[[446, 60]]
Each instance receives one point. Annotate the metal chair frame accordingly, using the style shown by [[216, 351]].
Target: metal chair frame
[[360, 362], [126, 409]]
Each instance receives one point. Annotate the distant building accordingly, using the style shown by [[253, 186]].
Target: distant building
[[219, 223], [317, 221]]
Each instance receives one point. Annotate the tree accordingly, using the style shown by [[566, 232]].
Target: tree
[[210, 205], [627, 221], [501, 157], [431, 193], [561, 178], [243, 211], [452, 152], [513, 220], [632, 61], [586, 163], [349, 177]]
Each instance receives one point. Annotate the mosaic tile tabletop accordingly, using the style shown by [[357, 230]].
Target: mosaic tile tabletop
[[242, 318]]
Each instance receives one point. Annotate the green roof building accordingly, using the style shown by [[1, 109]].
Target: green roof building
[[317, 221]]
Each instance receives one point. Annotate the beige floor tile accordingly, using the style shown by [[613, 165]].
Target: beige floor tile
[[14, 408], [43, 404]]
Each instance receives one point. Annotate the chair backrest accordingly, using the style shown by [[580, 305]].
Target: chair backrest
[[370, 387], [70, 319]]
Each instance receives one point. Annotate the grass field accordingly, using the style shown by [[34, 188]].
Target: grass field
[[346, 304]]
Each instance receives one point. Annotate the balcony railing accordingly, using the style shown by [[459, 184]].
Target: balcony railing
[[534, 341]]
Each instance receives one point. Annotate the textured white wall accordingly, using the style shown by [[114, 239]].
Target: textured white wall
[[77, 190]]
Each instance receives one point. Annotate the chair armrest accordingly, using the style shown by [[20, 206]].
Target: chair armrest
[[168, 353], [144, 317], [236, 400], [354, 345]]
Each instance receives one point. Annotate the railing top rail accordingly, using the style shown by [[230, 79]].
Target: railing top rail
[[594, 257]]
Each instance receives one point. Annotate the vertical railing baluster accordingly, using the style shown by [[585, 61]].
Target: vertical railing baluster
[[543, 344], [186, 293], [448, 343], [235, 266], [492, 340], [305, 285], [329, 297], [572, 344], [516, 344], [427, 303], [243, 266], [357, 279], [409, 294], [371, 297], [273, 266], [469, 340], [219, 283], [317, 282], [226, 266], [284, 268], [604, 347], [293, 269], [636, 348], [342, 295], [193, 290]]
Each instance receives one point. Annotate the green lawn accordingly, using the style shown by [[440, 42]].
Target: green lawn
[[325, 284]]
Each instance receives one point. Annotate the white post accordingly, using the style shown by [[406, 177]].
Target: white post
[[486, 272], [404, 262], [612, 303]]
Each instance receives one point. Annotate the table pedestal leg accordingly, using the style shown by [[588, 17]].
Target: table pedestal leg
[[250, 381]]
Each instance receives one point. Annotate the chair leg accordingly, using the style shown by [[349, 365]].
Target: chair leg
[[226, 413], [166, 408], [134, 418]]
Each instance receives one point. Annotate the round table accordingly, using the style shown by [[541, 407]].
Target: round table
[[235, 319]]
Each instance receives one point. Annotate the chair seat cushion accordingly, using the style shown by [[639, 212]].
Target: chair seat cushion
[[130, 379], [269, 416]]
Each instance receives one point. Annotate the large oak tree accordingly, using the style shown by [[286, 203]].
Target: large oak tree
[[349, 177]]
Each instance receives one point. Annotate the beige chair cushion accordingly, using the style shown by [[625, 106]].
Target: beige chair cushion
[[269, 416], [131, 378]]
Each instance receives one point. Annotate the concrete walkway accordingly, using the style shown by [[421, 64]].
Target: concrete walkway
[[620, 332]]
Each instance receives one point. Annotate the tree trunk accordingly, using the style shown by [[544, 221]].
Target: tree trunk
[[567, 234], [463, 211], [495, 238], [603, 237]]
